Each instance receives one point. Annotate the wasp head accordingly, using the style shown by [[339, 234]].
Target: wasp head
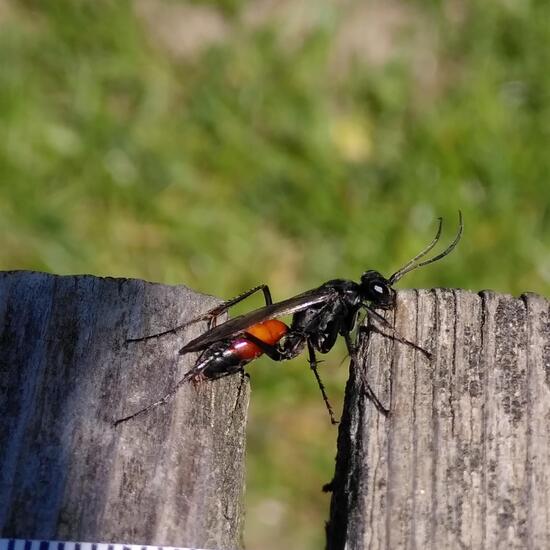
[[375, 288]]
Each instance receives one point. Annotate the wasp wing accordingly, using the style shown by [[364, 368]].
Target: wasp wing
[[236, 325]]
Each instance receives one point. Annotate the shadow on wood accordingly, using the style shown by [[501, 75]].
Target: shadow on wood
[[463, 461], [174, 476]]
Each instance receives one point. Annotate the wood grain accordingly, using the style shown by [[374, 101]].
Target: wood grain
[[174, 476]]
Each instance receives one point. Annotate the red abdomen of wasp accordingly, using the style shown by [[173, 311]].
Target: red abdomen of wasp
[[270, 332]]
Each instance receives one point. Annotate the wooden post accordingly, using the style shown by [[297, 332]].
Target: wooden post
[[463, 461], [174, 476]]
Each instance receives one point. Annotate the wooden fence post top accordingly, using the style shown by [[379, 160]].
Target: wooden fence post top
[[463, 460], [174, 476]]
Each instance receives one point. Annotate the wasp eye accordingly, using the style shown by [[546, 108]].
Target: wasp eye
[[379, 289]]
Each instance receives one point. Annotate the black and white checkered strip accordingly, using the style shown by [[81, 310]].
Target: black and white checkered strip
[[21, 544]]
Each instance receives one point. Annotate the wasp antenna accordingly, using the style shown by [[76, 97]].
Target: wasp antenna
[[406, 268], [450, 247], [411, 265], [421, 254]]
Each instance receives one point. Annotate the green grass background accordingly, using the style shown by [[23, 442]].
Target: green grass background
[[226, 143]]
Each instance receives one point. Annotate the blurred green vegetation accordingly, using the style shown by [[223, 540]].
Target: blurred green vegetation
[[225, 143]]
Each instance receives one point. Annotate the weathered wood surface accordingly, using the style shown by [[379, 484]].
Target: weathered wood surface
[[174, 476], [463, 461]]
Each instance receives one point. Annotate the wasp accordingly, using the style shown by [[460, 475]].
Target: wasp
[[319, 316]]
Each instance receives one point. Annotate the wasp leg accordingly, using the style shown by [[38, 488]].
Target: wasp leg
[[273, 352], [189, 375], [313, 365], [194, 374], [212, 314], [369, 392], [244, 376], [394, 335], [282, 354]]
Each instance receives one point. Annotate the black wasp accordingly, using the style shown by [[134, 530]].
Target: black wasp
[[318, 317]]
